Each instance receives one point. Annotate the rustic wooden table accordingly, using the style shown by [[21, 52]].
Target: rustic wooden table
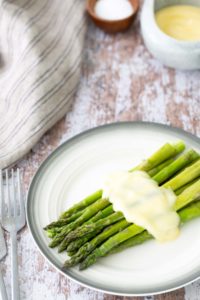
[[120, 81]]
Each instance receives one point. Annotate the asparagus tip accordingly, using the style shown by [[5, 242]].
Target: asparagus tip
[[68, 264], [82, 266], [61, 249], [52, 244]]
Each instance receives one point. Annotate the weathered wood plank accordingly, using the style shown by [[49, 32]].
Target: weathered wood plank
[[178, 295], [192, 291]]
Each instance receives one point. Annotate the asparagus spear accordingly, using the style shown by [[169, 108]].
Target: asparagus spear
[[186, 214], [74, 212], [88, 213], [142, 167], [187, 196], [90, 228], [134, 241], [166, 151], [179, 148], [157, 169], [91, 245], [82, 204], [175, 166], [64, 221], [55, 227], [73, 246], [100, 215], [77, 243], [71, 253], [183, 199], [190, 212], [168, 172], [184, 177], [181, 189], [161, 155], [53, 231]]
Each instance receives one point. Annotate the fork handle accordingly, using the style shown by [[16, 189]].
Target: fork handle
[[14, 264], [3, 294]]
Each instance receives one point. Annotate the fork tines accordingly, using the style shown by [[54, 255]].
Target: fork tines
[[12, 204]]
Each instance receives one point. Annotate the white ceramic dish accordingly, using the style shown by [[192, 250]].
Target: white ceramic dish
[[171, 52], [75, 170]]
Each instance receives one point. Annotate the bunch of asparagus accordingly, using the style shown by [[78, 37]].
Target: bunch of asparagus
[[92, 229]]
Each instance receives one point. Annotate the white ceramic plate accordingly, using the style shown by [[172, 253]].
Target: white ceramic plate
[[75, 170]]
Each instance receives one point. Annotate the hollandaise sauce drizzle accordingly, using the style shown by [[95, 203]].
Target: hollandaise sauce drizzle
[[144, 203]]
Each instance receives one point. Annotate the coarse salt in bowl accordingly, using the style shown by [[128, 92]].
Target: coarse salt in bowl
[[113, 9], [112, 16]]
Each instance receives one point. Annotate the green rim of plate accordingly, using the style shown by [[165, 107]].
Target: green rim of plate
[[77, 138]]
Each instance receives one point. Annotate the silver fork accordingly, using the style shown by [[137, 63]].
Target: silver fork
[[3, 294], [13, 219]]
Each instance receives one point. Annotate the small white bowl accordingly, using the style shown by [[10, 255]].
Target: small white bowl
[[171, 52]]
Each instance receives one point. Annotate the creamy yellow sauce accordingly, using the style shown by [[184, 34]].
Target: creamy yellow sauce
[[144, 203], [181, 22]]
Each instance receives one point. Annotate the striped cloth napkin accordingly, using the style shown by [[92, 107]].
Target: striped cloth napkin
[[40, 54]]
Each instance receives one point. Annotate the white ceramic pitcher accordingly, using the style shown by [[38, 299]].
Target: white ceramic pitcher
[[171, 52]]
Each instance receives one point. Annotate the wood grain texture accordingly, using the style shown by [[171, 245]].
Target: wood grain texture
[[120, 81], [178, 295]]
